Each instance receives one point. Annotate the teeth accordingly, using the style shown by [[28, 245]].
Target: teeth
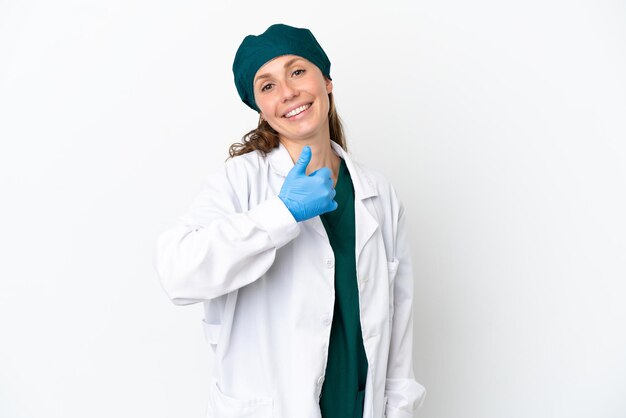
[[297, 110]]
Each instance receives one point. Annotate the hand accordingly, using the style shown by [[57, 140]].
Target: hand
[[308, 196]]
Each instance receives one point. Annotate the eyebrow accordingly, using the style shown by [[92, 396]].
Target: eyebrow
[[266, 75]]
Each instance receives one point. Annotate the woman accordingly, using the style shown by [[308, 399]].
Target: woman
[[303, 268]]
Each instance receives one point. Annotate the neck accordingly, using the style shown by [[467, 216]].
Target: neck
[[322, 153]]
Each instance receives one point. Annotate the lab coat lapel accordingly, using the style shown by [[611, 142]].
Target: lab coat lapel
[[365, 225], [364, 189]]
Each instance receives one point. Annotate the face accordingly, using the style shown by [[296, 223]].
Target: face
[[292, 95]]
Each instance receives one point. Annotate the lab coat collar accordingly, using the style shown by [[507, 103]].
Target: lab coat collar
[[364, 187]]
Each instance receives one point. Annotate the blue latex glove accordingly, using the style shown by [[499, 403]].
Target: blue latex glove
[[308, 196]]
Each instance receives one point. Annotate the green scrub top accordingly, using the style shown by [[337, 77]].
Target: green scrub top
[[346, 370]]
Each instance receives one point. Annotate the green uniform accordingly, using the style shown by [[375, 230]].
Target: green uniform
[[346, 370]]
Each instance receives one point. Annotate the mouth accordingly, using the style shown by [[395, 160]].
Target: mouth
[[295, 112]]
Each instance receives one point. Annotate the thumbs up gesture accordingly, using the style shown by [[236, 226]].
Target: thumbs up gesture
[[308, 196]]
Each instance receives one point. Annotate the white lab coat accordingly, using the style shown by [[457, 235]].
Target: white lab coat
[[267, 283]]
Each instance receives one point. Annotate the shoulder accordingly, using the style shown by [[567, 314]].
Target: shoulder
[[234, 175], [373, 175], [385, 196], [228, 185], [242, 168], [251, 160], [376, 179]]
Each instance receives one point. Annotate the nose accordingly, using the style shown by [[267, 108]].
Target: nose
[[289, 91]]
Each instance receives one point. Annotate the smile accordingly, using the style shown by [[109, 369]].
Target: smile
[[297, 111]]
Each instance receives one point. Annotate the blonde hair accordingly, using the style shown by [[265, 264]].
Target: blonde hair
[[264, 138]]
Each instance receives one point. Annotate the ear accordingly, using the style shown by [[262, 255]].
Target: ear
[[329, 85]]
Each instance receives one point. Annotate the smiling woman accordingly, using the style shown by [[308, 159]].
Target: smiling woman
[[299, 255], [292, 94]]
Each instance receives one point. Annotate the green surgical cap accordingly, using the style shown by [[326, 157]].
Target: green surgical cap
[[277, 40]]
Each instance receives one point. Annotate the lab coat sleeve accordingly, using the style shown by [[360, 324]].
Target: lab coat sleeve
[[220, 245], [403, 393]]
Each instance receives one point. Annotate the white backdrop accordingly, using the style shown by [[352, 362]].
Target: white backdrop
[[502, 125]]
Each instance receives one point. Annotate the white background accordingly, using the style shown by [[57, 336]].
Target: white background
[[502, 125]]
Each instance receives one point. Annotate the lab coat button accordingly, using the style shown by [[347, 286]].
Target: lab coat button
[[330, 263], [327, 320], [320, 380]]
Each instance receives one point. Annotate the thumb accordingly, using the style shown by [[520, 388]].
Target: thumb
[[303, 161]]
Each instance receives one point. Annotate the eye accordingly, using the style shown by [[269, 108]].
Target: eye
[[298, 72], [266, 87]]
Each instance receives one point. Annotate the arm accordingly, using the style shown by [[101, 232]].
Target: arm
[[403, 393], [218, 246]]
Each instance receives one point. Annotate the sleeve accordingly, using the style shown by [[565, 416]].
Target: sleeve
[[218, 246], [403, 393]]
